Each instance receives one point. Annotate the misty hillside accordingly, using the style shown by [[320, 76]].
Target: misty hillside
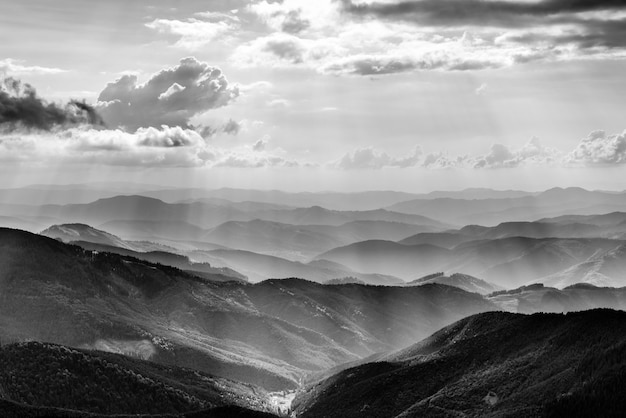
[[507, 262], [492, 211], [602, 269], [259, 267], [144, 229], [270, 334], [82, 232], [490, 365], [462, 281]]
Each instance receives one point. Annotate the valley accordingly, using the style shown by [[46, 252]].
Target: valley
[[276, 304]]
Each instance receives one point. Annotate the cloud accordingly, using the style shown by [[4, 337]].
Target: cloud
[[260, 145], [22, 108], [170, 97], [17, 68], [499, 13], [231, 127], [343, 37], [499, 156], [195, 33], [533, 152], [600, 149], [148, 147], [369, 158], [481, 90]]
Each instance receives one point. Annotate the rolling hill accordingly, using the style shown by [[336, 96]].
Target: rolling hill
[[602, 269], [539, 298], [462, 281], [55, 376], [551, 203], [82, 232], [507, 262], [488, 365], [270, 334]]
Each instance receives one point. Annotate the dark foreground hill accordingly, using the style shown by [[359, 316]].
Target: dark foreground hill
[[10, 409], [490, 365], [48, 375]]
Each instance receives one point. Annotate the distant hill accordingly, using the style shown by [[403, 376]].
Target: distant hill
[[82, 232], [507, 262], [332, 200], [602, 269], [462, 281], [258, 267], [492, 364], [301, 242], [182, 262], [492, 211], [144, 229], [539, 298], [97, 240]]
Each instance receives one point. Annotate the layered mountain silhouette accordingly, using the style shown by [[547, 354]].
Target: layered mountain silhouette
[[462, 281], [506, 262], [138, 299], [270, 334], [492, 211]]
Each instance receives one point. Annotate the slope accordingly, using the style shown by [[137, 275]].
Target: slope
[[488, 365]]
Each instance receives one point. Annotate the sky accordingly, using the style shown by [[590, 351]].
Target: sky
[[411, 95]]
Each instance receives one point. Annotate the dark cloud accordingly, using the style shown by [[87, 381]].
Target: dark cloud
[[381, 65], [232, 127], [566, 26], [171, 97], [288, 49], [294, 22], [21, 107], [479, 12]]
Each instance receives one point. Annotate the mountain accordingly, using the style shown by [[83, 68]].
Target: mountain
[[612, 225], [448, 239], [602, 269], [28, 224], [182, 262], [491, 364], [317, 215], [332, 200], [476, 193], [607, 219], [259, 267], [55, 376], [144, 217], [269, 334], [551, 203], [142, 229], [462, 281], [512, 262], [82, 232], [289, 241], [376, 256], [301, 242], [130, 208], [540, 298], [507, 262], [245, 206], [97, 240]]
